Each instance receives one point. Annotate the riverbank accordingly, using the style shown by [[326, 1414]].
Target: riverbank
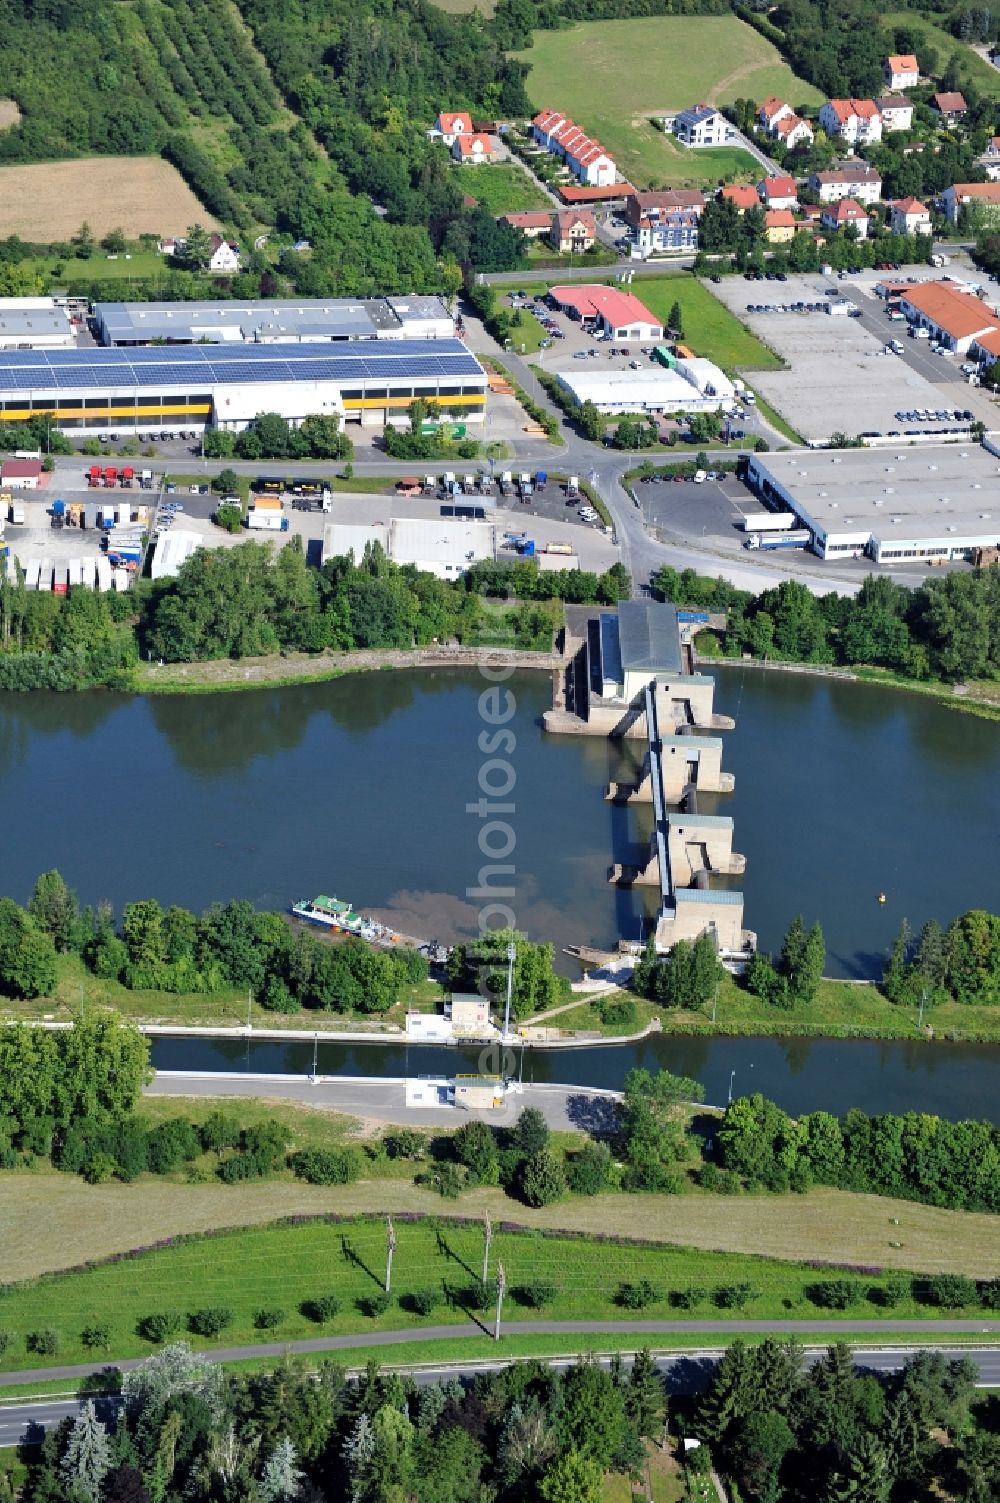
[[976, 698], [280, 669]]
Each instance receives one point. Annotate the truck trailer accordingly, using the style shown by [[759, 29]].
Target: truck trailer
[[267, 521], [766, 541], [768, 521]]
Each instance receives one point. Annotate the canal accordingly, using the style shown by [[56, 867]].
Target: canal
[[952, 1080]]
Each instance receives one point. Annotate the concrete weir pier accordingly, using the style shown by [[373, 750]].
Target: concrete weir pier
[[631, 675]]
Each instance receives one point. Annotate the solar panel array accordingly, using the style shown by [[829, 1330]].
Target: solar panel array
[[198, 367]]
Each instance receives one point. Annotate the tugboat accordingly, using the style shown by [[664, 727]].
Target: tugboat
[[329, 913]]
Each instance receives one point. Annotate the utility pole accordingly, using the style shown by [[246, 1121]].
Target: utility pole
[[249, 1009], [487, 1239], [511, 957], [732, 1077], [501, 1287], [923, 1003], [390, 1248]]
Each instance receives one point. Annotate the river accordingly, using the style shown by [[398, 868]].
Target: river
[[359, 787]]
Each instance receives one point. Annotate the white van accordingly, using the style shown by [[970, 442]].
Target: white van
[[700, 476]]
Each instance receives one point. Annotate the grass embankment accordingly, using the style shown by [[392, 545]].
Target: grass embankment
[[281, 1267], [49, 1220], [842, 1009], [611, 75]]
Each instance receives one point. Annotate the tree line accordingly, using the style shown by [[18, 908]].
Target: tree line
[[946, 628]]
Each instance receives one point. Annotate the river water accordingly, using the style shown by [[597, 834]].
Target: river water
[[359, 788]]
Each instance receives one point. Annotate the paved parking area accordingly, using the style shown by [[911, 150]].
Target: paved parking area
[[839, 378]]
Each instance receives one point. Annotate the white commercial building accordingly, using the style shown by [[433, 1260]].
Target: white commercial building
[[172, 549], [275, 321], [937, 502], [444, 547], [34, 323], [694, 386]]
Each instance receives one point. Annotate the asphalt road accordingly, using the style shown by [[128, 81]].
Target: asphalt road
[[28, 1419]]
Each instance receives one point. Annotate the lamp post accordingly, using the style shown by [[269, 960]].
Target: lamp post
[[511, 957], [732, 1077], [390, 1248], [501, 1286]]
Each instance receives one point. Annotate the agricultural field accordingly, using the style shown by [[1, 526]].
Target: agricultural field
[[501, 187], [48, 201], [611, 75], [280, 1269]]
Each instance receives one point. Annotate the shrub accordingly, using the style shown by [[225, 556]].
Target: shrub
[[159, 1327], [321, 1309], [171, 1144], [734, 1296], [266, 1140], [219, 1131], [210, 1321], [989, 1294], [947, 1290], [590, 1169], [375, 1304], [530, 1133], [43, 1343], [542, 1179], [96, 1338], [536, 1294], [635, 1296], [244, 1166], [266, 1320], [449, 1180], [406, 1143], [327, 1166], [100, 1168], [422, 1301], [686, 1299], [834, 1294], [477, 1296], [5, 1340], [618, 1012], [892, 1292], [475, 1146]]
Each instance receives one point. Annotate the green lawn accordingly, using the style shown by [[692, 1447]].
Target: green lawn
[[502, 187], [610, 75], [98, 267], [973, 68], [281, 1266]]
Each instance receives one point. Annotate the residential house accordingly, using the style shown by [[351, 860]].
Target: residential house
[[572, 231], [702, 125], [856, 121], [896, 112], [472, 150], [794, 131], [533, 223], [843, 213], [585, 158], [901, 71], [858, 180], [956, 319], [778, 193], [780, 226], [170, 246], [449, 125], [908, 216], [990, 159], [950, 106], [771, 111], [664, 221], [224, 255], [743, 198], [954, 199]]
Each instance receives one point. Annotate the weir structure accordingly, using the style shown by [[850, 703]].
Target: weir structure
[[636, 666]]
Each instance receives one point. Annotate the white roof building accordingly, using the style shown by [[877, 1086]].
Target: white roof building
[[652, 390], [444, 547], [34, 323], [173, 549]]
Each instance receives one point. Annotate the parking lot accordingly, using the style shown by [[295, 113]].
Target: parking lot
[[840, 378], [574, 346]]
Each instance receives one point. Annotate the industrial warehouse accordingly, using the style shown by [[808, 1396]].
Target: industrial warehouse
[[226, 386], [305, 320], [929, 503], [677, 386]]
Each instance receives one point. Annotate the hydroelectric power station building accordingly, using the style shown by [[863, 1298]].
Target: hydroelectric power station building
[[143, 390]]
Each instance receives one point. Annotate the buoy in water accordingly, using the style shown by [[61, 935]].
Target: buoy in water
[[881, 897]]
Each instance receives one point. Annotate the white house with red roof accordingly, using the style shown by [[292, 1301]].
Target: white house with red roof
[[857, 179], [839, 215], [586, 158], [621, 315], [856, 121], [224, 255], [22, 474], [901, 71], [449, 125], [793, 131], [778, 192], [770, 111], [743, 197], [908, 216], [472, 149]]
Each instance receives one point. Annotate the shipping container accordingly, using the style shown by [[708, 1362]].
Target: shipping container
[[90, 515], [45, 577], [31, 571], [121, 580], [75, 567], [103, 572], [86, 573], [16, 514], [60, 583]]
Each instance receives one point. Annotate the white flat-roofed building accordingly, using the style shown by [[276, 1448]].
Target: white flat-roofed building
[[173, 549], [274, 321], [707, 379], [443, 546], [652, 390], [34, 323], [891, 504]]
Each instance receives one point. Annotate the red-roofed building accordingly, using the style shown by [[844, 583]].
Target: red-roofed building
[[956, 319], [21, 474], [743, 198], [839, 215], [794, 131], [450, 124], [856, 121], [780, 226], [586, 158], [949, 105], [771, 111], [531, 222], [573, 231], [778, 193], [619, 314], [472, 149], [954, 198], [901, 71], [986, 346], [908, 216]]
